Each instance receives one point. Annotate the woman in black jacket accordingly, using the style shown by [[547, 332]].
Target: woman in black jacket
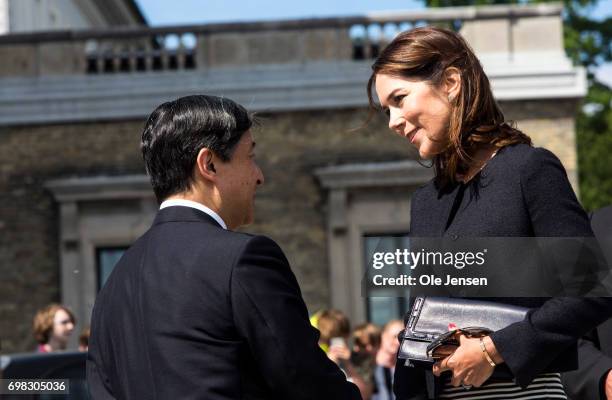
[[489, 182]]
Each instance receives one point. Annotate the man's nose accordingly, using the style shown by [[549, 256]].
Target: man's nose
[[260, 177]]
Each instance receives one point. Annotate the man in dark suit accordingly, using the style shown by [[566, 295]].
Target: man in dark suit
[[194, 310], [593, 379]]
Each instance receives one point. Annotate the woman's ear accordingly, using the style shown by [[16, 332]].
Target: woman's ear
[[451, 83]]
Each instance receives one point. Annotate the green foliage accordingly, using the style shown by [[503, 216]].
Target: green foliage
[[594, 142], [588, 42]]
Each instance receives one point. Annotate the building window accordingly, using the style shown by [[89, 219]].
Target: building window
[[106, 259], [380, 310]]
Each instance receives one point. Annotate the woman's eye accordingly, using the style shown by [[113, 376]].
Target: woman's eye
[[397, 99]]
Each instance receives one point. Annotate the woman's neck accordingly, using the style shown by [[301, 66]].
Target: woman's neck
[[55, 345], [480, 158]]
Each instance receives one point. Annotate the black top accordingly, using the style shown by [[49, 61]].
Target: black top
[[522, 191], [193, 311]]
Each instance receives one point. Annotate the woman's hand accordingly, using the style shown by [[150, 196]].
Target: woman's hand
[[468, 363], [339, 353]]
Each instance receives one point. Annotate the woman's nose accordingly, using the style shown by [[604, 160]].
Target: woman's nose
[[395, 121]]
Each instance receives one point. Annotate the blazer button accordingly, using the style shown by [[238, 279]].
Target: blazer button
[[454, 236]]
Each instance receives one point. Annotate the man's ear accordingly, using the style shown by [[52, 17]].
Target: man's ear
[[451, 83], [205, 164]]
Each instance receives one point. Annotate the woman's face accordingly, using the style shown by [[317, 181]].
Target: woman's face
[[62, 326], [417, 111]]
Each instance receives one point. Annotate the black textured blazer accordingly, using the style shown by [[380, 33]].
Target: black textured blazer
[[522, 191], [193, 311]]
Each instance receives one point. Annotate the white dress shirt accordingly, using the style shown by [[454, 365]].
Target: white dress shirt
[[197, 206]]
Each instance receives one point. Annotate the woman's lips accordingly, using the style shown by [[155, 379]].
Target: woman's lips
[[411, 135]]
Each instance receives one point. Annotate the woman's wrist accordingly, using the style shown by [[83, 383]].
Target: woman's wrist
[[492, 350]]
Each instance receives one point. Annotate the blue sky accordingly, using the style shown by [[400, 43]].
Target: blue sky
[[164, 12], [183, 12]]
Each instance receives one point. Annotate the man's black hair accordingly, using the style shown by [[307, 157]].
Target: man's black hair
[[177, 130]]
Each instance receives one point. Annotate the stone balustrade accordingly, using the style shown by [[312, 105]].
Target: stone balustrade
[[502, 31]]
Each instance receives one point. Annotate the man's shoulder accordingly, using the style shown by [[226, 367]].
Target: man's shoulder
[[205, 238], [199, 232], [262, 243], [243, 240]]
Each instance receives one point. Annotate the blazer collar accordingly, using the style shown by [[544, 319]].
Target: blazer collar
[[183, 214]]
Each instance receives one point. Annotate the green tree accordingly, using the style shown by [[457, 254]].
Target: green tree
[[588, 42], [594, 142]]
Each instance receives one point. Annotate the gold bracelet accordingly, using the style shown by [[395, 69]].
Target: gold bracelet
[[486, 353]]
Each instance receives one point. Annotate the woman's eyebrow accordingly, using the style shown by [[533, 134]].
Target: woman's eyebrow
[[390, 96]]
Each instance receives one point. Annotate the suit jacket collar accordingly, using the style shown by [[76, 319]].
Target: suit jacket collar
[[183, 214]]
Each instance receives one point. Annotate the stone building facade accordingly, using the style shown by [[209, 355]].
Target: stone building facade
[[47, 15], [72, 183]]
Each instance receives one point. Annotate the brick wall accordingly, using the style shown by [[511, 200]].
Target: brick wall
[[290, 206]]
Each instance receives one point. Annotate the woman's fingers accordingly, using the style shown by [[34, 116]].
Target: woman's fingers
[[458, 378], [468, 365], [441, 366]]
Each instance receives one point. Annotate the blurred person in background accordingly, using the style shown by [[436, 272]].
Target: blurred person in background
[[366, 343], [385, 360], [84, 339], [335, 329], [53, 326]]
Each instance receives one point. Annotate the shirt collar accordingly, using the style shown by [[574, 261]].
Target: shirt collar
[[193, 204]]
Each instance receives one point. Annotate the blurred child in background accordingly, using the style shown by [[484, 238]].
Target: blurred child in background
[[53, 326], [335, 330]]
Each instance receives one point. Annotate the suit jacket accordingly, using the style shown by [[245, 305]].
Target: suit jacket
[[521, 192], [595, 360], [594, 350], [193, 311]]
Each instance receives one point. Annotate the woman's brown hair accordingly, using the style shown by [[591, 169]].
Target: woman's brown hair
[[476, 119], [43, 322]]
